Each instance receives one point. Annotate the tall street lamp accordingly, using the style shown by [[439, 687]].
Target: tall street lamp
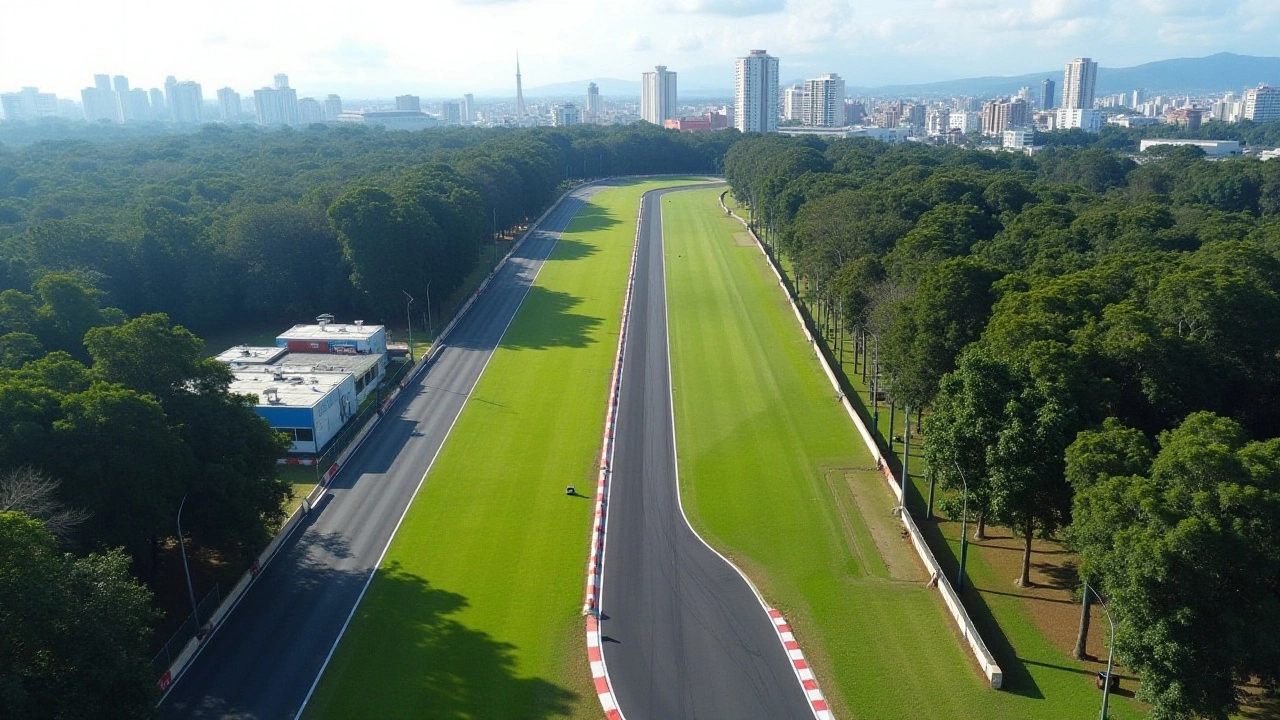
[[182, 543], [1111, 649], [964, 532], [409, 319]]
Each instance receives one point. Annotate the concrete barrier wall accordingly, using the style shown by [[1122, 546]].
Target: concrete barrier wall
[[949, 597]]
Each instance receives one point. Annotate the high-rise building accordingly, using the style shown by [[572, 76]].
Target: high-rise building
[[826, 101], [1135, 98], [332, 108], [468, 108], [1005, 114], [1261, 104], [310, 111], [1078, 81], [567, 114], [277, 105], [755, 95], [132, 105], [658, 95], [937, 121], [1046, 94], [965, 122], [854, 112], [228, 105], [100, 100], [186, 104], [593, 107], [29, 104], [1089, 120], [450, 112], [408, 103], [794, 104], [519, 90], [120, 84], [159, 109]]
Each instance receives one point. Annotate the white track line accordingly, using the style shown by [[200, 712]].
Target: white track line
[[374, 572]]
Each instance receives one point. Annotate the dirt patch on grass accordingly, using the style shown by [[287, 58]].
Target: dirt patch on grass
[[744, 239], [872, 508]]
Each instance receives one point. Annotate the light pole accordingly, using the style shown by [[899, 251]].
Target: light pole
[[430, 325], [1111, 649], [494, 254], [964, 532], [409, 319], [191, 593], [906, 452]]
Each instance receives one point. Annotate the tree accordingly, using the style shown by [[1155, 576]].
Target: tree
[[30, 491], [948, 311], [1190, 556], [73, 631]]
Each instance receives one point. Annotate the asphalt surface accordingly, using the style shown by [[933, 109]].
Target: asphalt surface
[[262, 661], [683, 634]]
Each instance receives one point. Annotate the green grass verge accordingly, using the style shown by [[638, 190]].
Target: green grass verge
[[476, 610], [774, 474]]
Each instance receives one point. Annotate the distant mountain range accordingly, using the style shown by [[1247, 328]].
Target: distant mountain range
[[1215, 73], [1221, 72]]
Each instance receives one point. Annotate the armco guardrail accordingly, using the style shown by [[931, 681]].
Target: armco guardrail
[[958, 612], [233, 598]]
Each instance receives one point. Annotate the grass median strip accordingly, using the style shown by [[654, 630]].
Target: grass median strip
[[475, 611], [774, 474]]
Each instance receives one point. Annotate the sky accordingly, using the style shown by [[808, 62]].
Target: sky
[[437, 48]]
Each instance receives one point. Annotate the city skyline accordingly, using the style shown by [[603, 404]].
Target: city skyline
[[912, 41]]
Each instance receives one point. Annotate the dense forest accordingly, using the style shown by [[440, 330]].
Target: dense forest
[[114, 254], [1094, 343]]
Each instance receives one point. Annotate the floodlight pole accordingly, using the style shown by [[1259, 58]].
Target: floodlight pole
[[964, 531], [430, 324], [906, 452], [409, 319], [191, 593]]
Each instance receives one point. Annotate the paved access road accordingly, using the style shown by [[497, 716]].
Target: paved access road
[[264, 658], [684, 636]]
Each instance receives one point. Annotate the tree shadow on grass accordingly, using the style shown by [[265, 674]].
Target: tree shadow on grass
[[569, 249], [593, 217], [548, 322], [413, 659]]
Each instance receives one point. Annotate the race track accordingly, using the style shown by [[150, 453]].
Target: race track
[[683, 634], [263, 660]]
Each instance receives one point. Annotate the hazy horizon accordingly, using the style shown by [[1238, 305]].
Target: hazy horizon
[[459, 46]]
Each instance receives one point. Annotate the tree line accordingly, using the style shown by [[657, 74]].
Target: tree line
[[1093, 344], [111, 414]]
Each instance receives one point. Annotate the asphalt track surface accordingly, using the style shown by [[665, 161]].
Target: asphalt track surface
[[683, 634], [262, 661]]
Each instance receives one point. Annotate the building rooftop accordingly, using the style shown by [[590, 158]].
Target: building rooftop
[[248, 355], [330, 330], [291, 389], [293, 363]]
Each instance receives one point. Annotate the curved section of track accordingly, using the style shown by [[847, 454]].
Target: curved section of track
[[683, 633], [267, 653]]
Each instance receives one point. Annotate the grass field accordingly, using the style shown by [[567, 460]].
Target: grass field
[[774, 474], [475, 611]]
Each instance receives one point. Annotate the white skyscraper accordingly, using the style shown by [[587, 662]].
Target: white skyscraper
[[794, 104], [594, 106], [567, 114], [277, 105], [186, 104], [1078, 81], [1261, 104], [468, 108], [825, 97], [658, 95], [29, 104], [229, 105], [332, 108], [756, 93]]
